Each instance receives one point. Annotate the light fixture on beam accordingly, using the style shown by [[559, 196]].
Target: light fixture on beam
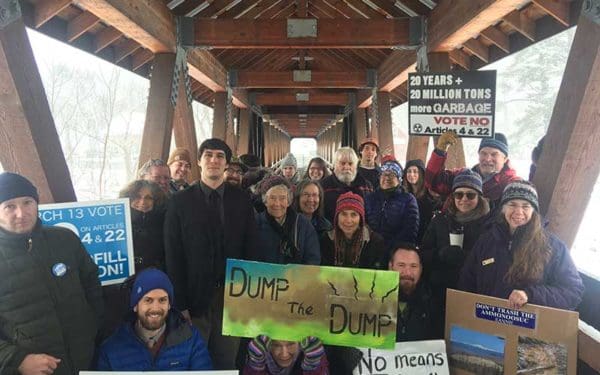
[[302, 28], [302, 97], [302, 75]]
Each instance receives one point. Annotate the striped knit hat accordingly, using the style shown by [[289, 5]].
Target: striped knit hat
[[498, 142], [469, 179], [350, 201], [521, 190]]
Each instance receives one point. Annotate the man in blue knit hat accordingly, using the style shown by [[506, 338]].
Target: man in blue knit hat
[[155, 337], [494, 167]]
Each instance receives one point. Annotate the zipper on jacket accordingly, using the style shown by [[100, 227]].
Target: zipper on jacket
[[29, 244], [510, 245]]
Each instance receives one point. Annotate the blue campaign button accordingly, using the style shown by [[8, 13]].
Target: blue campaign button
[[59, 269]]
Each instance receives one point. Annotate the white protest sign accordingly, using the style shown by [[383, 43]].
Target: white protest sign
[[228, 372], [408, 358]]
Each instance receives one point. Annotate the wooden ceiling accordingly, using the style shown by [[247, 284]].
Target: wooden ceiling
[[357, 39]]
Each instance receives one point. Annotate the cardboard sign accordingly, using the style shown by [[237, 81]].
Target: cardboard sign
[[341, 306], [228, 372], [408, 358], [104, 228], [464, 102], [483, 335]]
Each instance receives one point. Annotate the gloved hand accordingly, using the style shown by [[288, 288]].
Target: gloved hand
[[453, 255], [257, 352], [446, 140], [313, 351]]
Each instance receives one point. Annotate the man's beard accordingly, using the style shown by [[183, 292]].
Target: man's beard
[[407, 289], [154, 324], [346, 177], [233, 181]]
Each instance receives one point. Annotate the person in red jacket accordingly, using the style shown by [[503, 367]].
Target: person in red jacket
[[494, 167], [277, 357]]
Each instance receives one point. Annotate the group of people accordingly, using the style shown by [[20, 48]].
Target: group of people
[[477, 230]]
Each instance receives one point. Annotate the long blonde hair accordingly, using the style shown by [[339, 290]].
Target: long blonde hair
[[531, 252]]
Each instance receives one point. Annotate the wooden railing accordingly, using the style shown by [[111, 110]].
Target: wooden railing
[[589, 345]]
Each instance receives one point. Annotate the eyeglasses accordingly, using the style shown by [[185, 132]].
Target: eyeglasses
[[459, 195], [234, 171]]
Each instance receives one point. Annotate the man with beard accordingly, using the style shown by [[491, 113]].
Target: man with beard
[[494, 167], [343, 180], [155, 337], [235, 172], [419, 316], [180, 165]]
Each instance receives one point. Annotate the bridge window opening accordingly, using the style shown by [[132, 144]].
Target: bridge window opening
[[303, 149]]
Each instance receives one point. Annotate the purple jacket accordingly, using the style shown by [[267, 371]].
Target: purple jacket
[[561, 286]]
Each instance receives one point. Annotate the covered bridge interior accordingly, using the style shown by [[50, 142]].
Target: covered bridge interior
[[273, 70]]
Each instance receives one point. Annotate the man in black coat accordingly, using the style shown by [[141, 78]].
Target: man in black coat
[[204, 225], [51, 300], [419, 315]]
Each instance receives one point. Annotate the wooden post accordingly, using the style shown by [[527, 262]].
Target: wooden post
[[230, 136], [244, 129], [569, 164], [385, 135], [418, 146], [269, 137], [158, 126], [28, 137], [184, 130], [361, 124], [219, 116]]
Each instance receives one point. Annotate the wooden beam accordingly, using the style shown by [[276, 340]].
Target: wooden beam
[[105, 38], [28, 138], [288, 97], [150, 23], [478, 49], [385, 134], [45, 10], [184, 130], [335, 33], [460, 58], [319, 79], [156, 139], [450, 24], [219, 125], [559, 9], [496, 36], [141, 58], [588, 346], [80, 24], [568, 167], [418, 147], [244, 130], [520, 22], [207, 70], [125, 48]]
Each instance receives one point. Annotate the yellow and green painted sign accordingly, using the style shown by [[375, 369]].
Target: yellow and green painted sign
[[341, 306]]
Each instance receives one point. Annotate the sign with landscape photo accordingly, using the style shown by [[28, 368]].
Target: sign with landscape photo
[[485, 336]]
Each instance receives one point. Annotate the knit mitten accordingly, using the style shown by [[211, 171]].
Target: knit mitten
[[313, 353], [257, 352]]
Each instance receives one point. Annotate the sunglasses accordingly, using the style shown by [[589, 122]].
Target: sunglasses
[[459, 195]]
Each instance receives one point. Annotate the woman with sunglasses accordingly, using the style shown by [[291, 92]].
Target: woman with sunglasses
[[451, 235], [518, 260]]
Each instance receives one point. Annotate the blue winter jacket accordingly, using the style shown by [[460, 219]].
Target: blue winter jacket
[[395, 216], [183, 349], [305, 239], [490, 260]]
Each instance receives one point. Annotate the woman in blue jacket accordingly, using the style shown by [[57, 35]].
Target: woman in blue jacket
[[519, 261]]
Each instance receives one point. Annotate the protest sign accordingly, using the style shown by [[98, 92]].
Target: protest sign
[[484, 335], [104, 228], [407, 358], [464, 102], [228, 372], [341, 306]]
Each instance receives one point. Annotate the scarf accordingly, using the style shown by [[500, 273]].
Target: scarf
[[482, 209], [274, 368], [287, 246], [347, 252]]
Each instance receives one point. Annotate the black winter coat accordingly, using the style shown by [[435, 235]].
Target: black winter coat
[[189, 254], [422, 318], [42, 309], [428, 205], [441, 262], [148, 240]]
